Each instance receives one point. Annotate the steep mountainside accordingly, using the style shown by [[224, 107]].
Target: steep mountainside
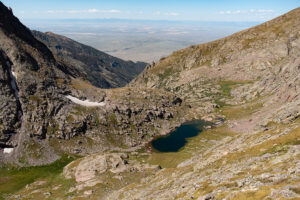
[[47, 106], [253, 58], [246, 85], [101, 69]]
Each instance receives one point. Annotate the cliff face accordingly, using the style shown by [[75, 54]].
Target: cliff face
[[101, 69], [10, 105], [29, 72], [48, 104]]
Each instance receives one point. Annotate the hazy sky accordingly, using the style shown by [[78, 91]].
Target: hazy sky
[[199, 10]]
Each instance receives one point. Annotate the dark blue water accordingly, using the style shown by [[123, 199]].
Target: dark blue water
[[177, 139]]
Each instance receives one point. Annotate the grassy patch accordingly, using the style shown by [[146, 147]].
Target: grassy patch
[[60, 82], [35, 98], [166, 73], [70, 119], [259, 194], [227, 86], [238, 112], [279, 149], [12, 179], [267, 146], [81, 110], [33, 149], [112, 119], [81, 85], [52, 129]]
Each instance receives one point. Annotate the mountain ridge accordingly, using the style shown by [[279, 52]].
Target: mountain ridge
[[101, 69], [233, 58]]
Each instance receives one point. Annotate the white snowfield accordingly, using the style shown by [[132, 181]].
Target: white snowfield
[[8, 150], [86, 103]]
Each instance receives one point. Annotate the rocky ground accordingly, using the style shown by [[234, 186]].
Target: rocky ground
[[246, 84], [240, 159]]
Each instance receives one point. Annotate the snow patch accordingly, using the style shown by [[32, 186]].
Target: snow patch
[[86, 103], [14, 74], [8, 150], [13, 83]]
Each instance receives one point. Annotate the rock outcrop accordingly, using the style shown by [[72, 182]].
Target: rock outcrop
[[10, 105]]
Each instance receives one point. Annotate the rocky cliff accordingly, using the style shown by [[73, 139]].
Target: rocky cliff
[[101, 69], [47, 105]]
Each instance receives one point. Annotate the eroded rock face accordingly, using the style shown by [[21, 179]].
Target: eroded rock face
[[126, 117], [29, 76], [9, 105], [38, 120]]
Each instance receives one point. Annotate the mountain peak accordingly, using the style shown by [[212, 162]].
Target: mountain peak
[[13, 28]]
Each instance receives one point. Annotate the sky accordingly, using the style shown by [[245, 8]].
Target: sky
[[196, 10]]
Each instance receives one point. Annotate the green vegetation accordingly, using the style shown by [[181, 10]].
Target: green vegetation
[[70, 119], [269, 146], [132, 126], [33, 150], [112, 119], [167, 72], [207, 63], [80, 85], [35, 98], [227, 86], [52, 129], [241, 111], [81, 110], [278, 148], [13, 179]]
